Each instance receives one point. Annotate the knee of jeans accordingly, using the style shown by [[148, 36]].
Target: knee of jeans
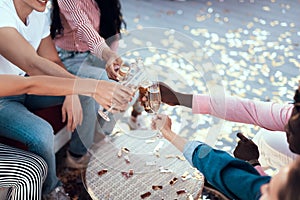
[[43, 138]]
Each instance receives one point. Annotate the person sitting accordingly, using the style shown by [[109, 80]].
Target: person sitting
[[26, 48], [86, 35], [14, 162], [233, 177]]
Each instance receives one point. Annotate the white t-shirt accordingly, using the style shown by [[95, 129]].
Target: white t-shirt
[[36, 29]]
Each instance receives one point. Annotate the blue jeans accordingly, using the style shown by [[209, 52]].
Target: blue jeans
[[18, 123], [87, 65]]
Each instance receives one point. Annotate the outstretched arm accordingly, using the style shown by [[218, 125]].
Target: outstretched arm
[[268, 115], [233, 177], [56, 86]]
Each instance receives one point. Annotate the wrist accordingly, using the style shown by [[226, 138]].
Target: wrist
[[185, 99], [106, 54], [253, 162]]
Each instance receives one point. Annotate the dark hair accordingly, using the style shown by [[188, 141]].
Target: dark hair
[[291, 189], [297, 100], [111, 19], [56, 27]]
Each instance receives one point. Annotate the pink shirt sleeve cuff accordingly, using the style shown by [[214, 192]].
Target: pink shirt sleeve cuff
[[260, 170]]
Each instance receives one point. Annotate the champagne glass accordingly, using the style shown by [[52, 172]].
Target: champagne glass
[[155, 101], [130, 77], [154, 97]]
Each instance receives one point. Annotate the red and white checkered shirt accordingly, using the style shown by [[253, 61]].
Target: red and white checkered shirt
[[80, 19]]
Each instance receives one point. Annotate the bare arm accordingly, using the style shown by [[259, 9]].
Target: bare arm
[[46, 85], [18, 51], [47, 50], [56, 86], [164, 124]]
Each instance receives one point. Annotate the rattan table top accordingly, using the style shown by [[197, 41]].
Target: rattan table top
[[128, 166]]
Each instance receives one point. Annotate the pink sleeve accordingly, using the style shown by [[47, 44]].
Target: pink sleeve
[[260, 170], [268, 115], [80, 23]]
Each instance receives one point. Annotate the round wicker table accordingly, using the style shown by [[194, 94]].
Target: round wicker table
[[141, 167]]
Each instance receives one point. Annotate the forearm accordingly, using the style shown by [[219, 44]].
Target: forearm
[[55, 86], [178, 141], [233, 177], [268, 115], [185, 99], [46, 85], [43, 66]]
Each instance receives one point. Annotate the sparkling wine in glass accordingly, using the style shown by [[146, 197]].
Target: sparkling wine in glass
[[131, 77], [154, 97]]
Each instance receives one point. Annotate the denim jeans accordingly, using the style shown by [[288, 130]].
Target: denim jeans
[[18, 123], [87, 65]]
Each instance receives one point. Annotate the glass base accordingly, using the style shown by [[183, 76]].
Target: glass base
[[103, 115]]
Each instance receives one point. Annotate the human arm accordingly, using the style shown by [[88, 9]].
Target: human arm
[[268, 115], [173, 98], [78, 20], [56, 86], [18, 51], [71, 108], [233, 177]]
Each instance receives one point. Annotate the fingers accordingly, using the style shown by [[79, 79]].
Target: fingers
[[70, 123], [111, 72], [242, 137]]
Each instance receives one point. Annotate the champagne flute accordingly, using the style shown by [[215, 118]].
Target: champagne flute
[[154, 97], [155, 101], [132, 78]]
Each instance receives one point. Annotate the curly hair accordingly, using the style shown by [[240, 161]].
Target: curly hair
[[111, 18]]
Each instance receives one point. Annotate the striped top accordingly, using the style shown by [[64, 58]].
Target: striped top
[[81, 21], [23, 172]]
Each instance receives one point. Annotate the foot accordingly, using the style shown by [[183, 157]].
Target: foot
[[58, 194], [77, 163]]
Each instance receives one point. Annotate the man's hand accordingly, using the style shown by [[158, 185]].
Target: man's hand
[[72, 111], [246, 149]]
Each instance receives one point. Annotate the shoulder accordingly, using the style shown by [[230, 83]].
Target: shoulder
[[8, 16]]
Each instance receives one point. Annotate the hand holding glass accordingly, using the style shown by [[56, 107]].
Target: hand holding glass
[[130, 77]]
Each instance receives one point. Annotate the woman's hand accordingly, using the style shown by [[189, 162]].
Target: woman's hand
[[72, 111], [164, 124], [113, 94], [113, 63]]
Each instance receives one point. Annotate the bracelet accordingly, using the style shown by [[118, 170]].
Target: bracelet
[[253, 162]]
